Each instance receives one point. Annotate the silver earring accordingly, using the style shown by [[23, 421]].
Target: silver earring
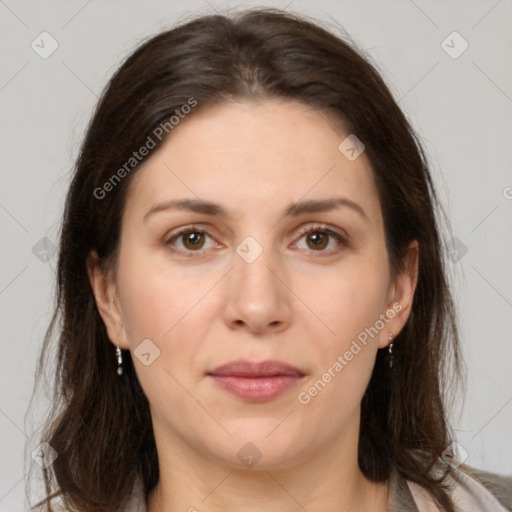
[[119, 357], [390, 351]]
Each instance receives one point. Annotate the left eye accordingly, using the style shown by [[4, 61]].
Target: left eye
[[193, 239], [317, 238]]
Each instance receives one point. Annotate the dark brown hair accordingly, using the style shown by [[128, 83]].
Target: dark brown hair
[[100, 424]]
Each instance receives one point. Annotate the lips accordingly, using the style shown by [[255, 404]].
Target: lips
[[256, 382], [250, 369]]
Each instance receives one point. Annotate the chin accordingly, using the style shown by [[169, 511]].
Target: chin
[[261, 444]]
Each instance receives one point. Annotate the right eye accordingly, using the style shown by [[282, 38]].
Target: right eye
[[192, 240]]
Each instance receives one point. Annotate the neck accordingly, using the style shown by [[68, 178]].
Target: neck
[[190, 481]]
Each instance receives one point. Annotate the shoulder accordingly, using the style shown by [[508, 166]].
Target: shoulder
[[500, 486], [470, 489], [135, 501]]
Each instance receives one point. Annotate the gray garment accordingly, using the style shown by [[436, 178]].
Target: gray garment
[[500, 487], [401, 497]]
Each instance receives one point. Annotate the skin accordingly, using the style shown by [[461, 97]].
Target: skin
[[296, 303]]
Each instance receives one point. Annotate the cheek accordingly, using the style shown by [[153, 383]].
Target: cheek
[[165, 308], [157, 299], [150, 307], [344, 361], [349, 307], [346, 301], [173, 308]]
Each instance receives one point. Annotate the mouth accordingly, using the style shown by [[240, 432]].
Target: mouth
[[256, 382]]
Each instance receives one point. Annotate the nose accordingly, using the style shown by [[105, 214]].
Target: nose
[[257, 297]]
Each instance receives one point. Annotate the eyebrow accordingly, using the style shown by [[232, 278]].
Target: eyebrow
[[292, 210]]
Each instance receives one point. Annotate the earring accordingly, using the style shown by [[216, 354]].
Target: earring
[[119, 357], [390, 351]]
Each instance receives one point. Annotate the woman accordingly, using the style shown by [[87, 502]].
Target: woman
[[251, 284]]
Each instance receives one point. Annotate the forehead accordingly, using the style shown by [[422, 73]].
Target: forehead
[[254, 157]]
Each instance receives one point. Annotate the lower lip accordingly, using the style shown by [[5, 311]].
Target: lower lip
[[257, 389]]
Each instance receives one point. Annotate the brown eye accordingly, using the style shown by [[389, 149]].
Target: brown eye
[[189, 241], [319, 237], [193, 239], [317, 240]]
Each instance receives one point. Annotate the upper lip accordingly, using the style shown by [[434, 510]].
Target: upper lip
[[241, 368]]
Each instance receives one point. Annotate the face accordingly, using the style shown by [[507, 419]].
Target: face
[[268, 273]]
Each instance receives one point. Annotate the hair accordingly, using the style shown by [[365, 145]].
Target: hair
[[98, 422]]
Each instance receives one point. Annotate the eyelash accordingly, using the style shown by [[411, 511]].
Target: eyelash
[[304, 231]]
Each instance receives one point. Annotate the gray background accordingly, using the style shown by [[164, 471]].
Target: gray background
[[461, 108]]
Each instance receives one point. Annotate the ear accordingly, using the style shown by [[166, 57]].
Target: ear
[[401, 296], [107, 299]]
